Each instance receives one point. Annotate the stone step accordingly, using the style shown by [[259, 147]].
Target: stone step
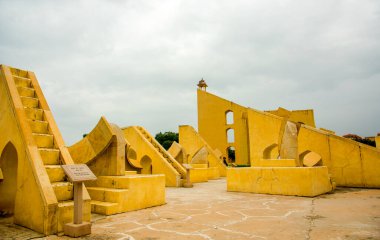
[[63, 190], [19, 73], [105, 208], [117, 182], [34, 113], [66, 213], [107, 194], [130, 172], [29, 102], [22, 82], [44, 140], [55, 173], [26, 92], [50, 156], [39, 126], [123, 182]]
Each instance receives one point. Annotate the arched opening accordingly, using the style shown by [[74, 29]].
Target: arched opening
[[8, 187], [131, 154], [231, 154], [271, 152], [146, 164], [230, 135], [229, 117]]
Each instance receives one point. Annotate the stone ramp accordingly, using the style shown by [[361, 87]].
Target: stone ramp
[[150, 152]]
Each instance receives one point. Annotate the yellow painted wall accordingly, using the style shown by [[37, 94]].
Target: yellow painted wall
[[127, 193], [212, 125], [198, 175], [202, 173], [371, 166], [143, 148], [213, 173], [351, 164], [297, 181], [327, 130], [264, 130], [189, 140], [199, 165], [302, 116], [147, 191], [274, 163]]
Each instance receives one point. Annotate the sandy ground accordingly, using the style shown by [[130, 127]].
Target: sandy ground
[[207, 211]]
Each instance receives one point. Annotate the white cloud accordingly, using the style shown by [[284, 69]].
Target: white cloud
[[138, 62]]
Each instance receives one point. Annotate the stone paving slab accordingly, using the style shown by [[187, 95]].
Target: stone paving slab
[[207, 211], [10, 231]]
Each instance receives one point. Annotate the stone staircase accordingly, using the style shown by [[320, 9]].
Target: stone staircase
[[118, 194], [48, 148], [177, 166], [108, 192]]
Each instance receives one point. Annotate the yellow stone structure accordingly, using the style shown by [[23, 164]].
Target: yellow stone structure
[[34, 187], [213, 125], [153, 158], [350, 163], [296, 181], [299, 116], [281, 142], [118, 188], [197, 172], [200, 154]]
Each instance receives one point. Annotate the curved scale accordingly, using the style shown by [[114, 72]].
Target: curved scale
[[94, 143], [200, 157], [131, 157]]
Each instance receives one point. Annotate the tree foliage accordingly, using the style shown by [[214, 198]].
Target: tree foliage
[[360, 139], [166, 139], [231, 154]]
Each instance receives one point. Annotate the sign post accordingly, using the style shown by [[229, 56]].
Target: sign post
[[77, 174], [188, 183]]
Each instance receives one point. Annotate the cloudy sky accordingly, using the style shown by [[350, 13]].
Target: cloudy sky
[[138, 62]]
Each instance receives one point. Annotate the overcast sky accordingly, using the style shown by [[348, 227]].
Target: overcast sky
[[138, 62]]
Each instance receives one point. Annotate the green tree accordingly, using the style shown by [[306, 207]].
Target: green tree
[[360, 139], [166, 139]]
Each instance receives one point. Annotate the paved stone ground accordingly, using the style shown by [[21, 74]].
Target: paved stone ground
[[207, 211], [9, 231]]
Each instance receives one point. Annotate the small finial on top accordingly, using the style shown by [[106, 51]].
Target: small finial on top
[[202, 84]]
